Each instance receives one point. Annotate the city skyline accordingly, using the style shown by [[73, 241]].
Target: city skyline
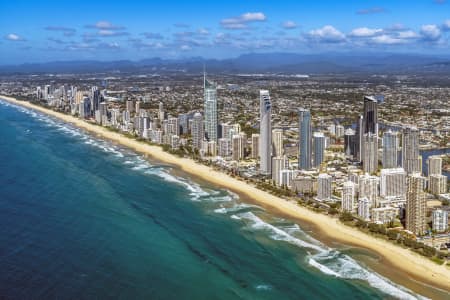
[[49, 31]]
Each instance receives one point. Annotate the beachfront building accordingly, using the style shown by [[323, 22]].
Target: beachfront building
[[255, 146], [440, 220], [319, 148], [265, 134], [383, 215], [370, 153], [416, 204], [238, 142], [197, 131], [390, 150], [277, 141], [364, 208], [305, 142], [278, 164], [324, 187], [348, 197], [410, 150], [393, 183], [210, 110], [368, 188]]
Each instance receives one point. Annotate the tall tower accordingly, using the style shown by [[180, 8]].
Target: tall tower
[[319, 148], [277, 141], [304, 132], [390, 150], [410, 150], [197, 131], [265, 134], [210, 107], [416, 204], [370, 158], [370, 116], [359, 135]]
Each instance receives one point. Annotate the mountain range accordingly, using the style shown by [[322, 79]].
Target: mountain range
[[284, 63]]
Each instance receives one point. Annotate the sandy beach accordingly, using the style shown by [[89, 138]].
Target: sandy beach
[[412, 265]]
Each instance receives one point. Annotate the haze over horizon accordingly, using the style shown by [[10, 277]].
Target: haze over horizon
[[58, 31]]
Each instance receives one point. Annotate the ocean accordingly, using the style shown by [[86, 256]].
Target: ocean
[[82, 218]]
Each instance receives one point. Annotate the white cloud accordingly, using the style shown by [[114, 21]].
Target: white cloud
[[203, 31], [105, 32], [105, 25], [387, 40], [446, 25], [241, 21], [430, 32], [327, 34], [365, 32], [185, 47], [14, 37], [289, 25], [407, 34]]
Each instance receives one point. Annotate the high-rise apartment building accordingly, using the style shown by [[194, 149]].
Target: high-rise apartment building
[[416, 204], [210, 110], [305, 142], [265, 134], [319, 148], [390, 150], [410, 150]]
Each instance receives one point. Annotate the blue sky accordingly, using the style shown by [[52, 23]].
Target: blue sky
[[39, 31]]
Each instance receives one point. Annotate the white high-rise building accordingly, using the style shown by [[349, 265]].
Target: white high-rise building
[[390, 150], [348, 196], [305, 139], [393, 182], [255, 146], [224, 147], [197, 131], [368, 188], [210, 108], [437, 184], [277, 140], [238, 144], [324, 187], [278, 164], [265, 135], [370, 157], [319, 148], [434, 165], [364, 208], [416, 204], [440, 220], [410, 150]]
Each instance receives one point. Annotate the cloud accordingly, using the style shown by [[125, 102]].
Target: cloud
[[407, 34], [326, 34], [181, 25], [105, 25], [65, 30], [152, 36], [289, 25], [446, 25], [109, 46], [365, 32], [430, 32], [241, 22], [203, 31], [185, 47], [14, 38], [139, 44], [386, 39], [56, 40], [371, 10], [440, 1], [109, 33]]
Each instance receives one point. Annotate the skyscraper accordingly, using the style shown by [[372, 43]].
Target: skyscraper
[[410, 150], [370, 157], [255, 145], [393, 182], [348, 196], [265, 134], [440, 220], [368, 188], [324, 187], [390, 150], [359, 135], [277, 140], [370, 115], [434, 165], [319, 148], [210, 107], [304, 131], [197, 131], [416, 204]]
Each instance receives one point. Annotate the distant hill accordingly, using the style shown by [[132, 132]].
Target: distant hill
[[288, 63]]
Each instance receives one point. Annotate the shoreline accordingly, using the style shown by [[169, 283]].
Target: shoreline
[[412, 266]]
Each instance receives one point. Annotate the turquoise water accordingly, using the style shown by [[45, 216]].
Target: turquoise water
[[81, 218]]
